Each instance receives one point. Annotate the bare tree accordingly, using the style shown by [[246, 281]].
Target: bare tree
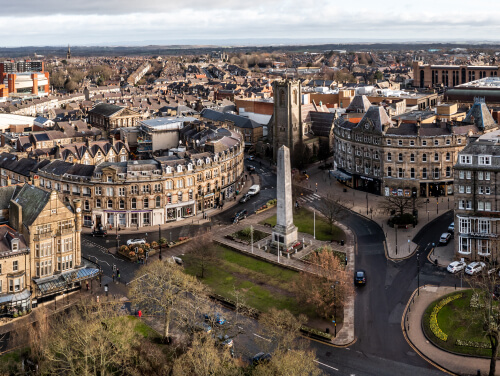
[[289, 363], [203, 252], [162, 288], [332, 210], [326, 285], [400, 204], [282, 327]]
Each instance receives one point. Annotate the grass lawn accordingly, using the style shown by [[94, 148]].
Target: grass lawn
[[245, 235], [140, 327], [304, 220], [264, 285], [340, 255], [460, 322]]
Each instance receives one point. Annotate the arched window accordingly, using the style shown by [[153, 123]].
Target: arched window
[[133, 203], [110, 204], [122, 204]]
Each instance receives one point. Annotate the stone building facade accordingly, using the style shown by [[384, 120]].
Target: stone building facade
[[376, 155], [109, 116], [191, 179], [477, 201]]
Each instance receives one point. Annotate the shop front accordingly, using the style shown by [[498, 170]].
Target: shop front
[[367, 184], [13, 304], [127, 218], [176, 212]]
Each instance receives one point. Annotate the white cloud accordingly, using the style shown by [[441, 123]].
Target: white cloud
[[54, 22]]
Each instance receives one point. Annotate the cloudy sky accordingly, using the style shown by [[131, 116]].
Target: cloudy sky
[[98, 22]]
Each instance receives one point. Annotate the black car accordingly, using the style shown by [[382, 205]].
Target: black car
[[242, 214], [99, 232], [245, 198], [360, 277], [251, 168], [261, 358]]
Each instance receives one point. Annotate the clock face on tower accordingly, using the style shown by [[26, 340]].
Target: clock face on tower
[[78, 210]]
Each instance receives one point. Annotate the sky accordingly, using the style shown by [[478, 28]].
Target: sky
[[132, 22]]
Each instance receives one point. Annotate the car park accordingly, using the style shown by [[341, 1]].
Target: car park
[[245, 198], [475, 267], [445, 238], [360, 277], [456, 266], [99, 232], [136, 241], [242, 214]]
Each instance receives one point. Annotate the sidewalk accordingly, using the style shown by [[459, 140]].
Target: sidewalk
[[398, 241], [412, 329], [196, 219]]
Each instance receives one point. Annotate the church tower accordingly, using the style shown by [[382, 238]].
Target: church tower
[[68, 54], [287, 116]]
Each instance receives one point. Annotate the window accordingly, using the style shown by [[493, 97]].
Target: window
[[98, 191], [448, 142], [436, 173], [146, 188], [461, 174], [448, 171], [459, 141], [464, 245], [122, 204], [180, 183], [483, 247], [484, 226], [424, 157], [169, 185], [179, 196], [400, 157], [461, 189], [134, 219], [436, 142], [389, 157], [15, 266], [169, 198], [134, 189], [157, 201], [464, 225], [389, 171], [487, 206], [448, 156], [146, 202], [480, 205], [401, 173], [109, 179], [469, 205], [98, 203], [436, 157], [190, 194], [133, 203], [400, 142], [412, 157], [424, 173], [466, 159], [412, 143], [468, 175], [484, 160], [461, 204], [110, 204], [487, 175], [388, 142], [424, 143], [121, 191], [412, 173], [157, 188]]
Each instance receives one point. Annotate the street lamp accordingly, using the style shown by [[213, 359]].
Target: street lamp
[[396, 231], [418, 276], [335, 308], [437, 206], [366, 203], [159, 239], [314, 224], [251, 236]]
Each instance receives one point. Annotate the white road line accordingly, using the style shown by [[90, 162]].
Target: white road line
[[326, 365], [315, 195], [265, 339]]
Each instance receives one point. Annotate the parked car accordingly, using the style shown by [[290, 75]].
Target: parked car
[[217, 318], [136, 241], [242, 214], [202, 327], [451, 228], [250, 168], [261, 358], [99, 232], [475, 267], [360, 277], [250, 158], [445, 238], [456, 266], [254, 189], [245, 198], [225, 340]]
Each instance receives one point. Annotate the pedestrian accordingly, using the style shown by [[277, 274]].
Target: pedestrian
[[118, 274], [113, 277], [139, 313], [87, 283]]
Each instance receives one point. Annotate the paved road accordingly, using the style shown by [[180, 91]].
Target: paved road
[[380, 348]]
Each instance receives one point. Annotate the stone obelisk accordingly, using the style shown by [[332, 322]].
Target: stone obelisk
[[285, 232]]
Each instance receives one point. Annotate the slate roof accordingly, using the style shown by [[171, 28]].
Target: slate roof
[[23, 166], [239, 121], [6, 194], [322, 123], [32, 200], [359, 103], [480, 116], [106, 109], [376, 117]]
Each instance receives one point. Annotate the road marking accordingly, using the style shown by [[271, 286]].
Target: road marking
[[326, 365], [265, 339]]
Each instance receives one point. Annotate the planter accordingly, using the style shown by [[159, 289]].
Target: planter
[[264, 208], [175, 244]]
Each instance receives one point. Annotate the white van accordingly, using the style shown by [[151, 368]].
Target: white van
[[254, 189]]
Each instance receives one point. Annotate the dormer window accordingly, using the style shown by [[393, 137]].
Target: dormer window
[[14, 244], [190, 167], [168, 169], [109, 179], [179, 168]]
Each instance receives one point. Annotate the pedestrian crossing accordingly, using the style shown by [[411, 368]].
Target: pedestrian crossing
[[308, 198]]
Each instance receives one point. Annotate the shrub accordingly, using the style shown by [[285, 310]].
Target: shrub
[[433, 323], [124, 248], [154, 244], [478, 345]]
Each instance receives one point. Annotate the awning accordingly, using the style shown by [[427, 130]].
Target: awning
[[339, 175], [12, 298], [60, 282]]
